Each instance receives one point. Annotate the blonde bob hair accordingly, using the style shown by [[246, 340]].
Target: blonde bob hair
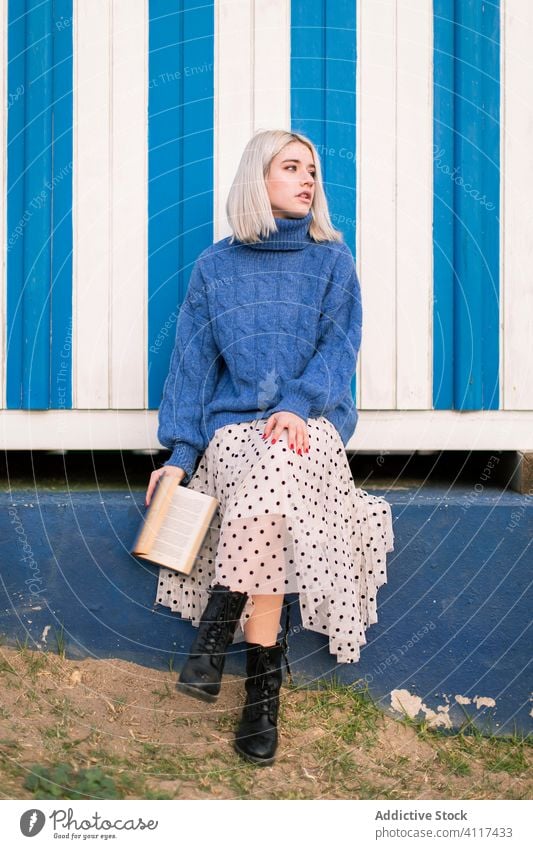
[[248, 206]]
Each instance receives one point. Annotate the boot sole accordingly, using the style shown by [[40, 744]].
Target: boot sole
[[252, 758], [196, 692]]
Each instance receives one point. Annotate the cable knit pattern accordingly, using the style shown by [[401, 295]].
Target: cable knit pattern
[[265, 327]]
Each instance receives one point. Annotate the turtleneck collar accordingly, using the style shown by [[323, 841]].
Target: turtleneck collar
[[292, 235]]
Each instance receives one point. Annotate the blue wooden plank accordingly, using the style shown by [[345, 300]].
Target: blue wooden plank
[[61, 189], [39, 205], [477, 144], [340, 105], [308, 72], [36, 316], [15, 214], [180, 162], [466, 206], [323, 101], [443, 204], [198, 117]]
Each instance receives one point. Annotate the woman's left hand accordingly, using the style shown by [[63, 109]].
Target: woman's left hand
[[298, 438]]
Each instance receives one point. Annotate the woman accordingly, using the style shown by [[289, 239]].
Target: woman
[[259, 392]]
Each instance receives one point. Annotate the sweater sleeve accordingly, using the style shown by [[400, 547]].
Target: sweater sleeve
[[192, 377], [327, 376]]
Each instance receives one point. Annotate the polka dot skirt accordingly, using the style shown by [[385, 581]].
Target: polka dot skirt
[[288, 524]]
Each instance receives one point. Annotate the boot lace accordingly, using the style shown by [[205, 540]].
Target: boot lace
[[214, 633], [264, 698]]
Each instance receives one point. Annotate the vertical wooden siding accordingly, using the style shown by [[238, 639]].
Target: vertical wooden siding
[[467, 204], [394, 220], [517, 191], [132, 225], [38, 326], [110, 201], [252, 84], [181, 179]]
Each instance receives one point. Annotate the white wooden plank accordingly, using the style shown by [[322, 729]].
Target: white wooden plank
[[252, 84], [376, 202], [383, 430], [91, 203], [517, 217], [233, 98], [3, 205], [272, 60], [414, 206], [129, 205]]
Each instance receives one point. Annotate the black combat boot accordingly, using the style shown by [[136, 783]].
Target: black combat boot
[[257, 735], [202, 672]]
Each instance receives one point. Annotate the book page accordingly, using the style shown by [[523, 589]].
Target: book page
[[178, 531]]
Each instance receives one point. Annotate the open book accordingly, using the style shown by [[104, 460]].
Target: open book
[[174, 525]]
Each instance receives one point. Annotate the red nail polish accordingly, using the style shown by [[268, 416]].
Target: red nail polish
[[291, 445], [300, 451], [273, 441]]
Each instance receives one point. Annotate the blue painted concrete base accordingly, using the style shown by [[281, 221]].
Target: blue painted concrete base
[[454, 632]]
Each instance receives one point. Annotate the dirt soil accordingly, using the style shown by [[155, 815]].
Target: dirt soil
[[153, 742]]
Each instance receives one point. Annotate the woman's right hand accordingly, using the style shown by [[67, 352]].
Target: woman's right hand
[[176, 471]]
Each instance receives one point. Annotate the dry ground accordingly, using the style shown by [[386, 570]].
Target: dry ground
[[112, 729]]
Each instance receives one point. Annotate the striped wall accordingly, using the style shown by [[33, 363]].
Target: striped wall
[[122, 127]]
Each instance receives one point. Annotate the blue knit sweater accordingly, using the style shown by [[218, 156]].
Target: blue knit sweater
[[274, 326]]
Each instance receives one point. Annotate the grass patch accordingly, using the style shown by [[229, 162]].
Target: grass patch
[[454, 762], [349, 713], [64, 782], [60, 642]]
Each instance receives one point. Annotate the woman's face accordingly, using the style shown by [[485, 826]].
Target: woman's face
[[290, 181]]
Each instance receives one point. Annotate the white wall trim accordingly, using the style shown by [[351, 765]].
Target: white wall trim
[[384, 430]]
